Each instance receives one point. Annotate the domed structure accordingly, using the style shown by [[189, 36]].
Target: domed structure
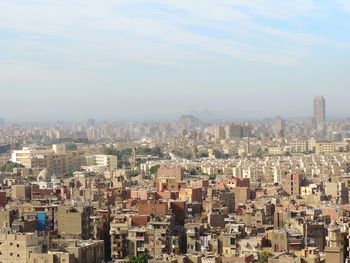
[[44, 175]]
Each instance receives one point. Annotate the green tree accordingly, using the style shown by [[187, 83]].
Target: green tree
[[72, 147], [142, 258], [193, 172], [9, 166], [263, 257], [31, 178], [154, 169], [110, 151], [203, 155], [134, 173]]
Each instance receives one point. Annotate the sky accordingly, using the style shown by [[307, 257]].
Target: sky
[[158, 59]]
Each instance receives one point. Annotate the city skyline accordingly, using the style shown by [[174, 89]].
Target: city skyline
[[182, 131], [318, 114], [157, 60]]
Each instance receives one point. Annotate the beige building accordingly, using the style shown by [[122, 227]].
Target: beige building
[[337, 191], [334, 251], [331, 147], [20, 192], [229, 244], [70, 251], [299, 146], [52, 257], [137, 239], [57, 160], [325, 147], [74, 222], [108, 161], [82, 250], [7, 217], [17, 247]]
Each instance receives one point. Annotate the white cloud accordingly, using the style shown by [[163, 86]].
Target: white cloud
[[345, 4], [172, 32]]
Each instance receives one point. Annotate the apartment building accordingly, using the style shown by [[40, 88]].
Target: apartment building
[[57, 160], [299, 146], [74, 222], [108, 161], [17, 247], [137, 239], [292, 183], [82, 250]]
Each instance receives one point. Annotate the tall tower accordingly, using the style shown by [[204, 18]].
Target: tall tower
[[279, 126], [319, 111]]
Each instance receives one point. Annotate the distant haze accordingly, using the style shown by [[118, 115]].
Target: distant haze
[[155, 59]]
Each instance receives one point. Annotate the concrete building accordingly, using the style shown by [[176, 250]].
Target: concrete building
[[21, 192], [57, 160], [291, 183], [74, 222], [319, 111], [337, 192], [279, 126], [299, 146], [334, 252], [82, 250], [17, 247], [137, 239], [108, 161], [233, 131]]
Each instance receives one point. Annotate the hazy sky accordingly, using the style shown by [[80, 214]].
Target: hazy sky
[[156, 59]]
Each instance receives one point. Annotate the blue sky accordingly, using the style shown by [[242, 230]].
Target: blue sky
[[156, 59]]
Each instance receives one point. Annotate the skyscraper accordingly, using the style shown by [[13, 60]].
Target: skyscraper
[[91, 123], [279, 126], [319, 111]]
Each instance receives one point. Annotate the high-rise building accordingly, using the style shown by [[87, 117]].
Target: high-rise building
[[279, 126], [291, 183], [188, 121], [233, 131], [319, 111], [219, 132], [91, 123]]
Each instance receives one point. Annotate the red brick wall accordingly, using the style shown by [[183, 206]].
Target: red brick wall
[[3, 199]]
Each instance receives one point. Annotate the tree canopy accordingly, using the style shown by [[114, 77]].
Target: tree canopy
[[9, 166], [154, 169], [263, 257], [142, 258]]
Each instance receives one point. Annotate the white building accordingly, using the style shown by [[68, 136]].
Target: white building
[[108, 161]]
